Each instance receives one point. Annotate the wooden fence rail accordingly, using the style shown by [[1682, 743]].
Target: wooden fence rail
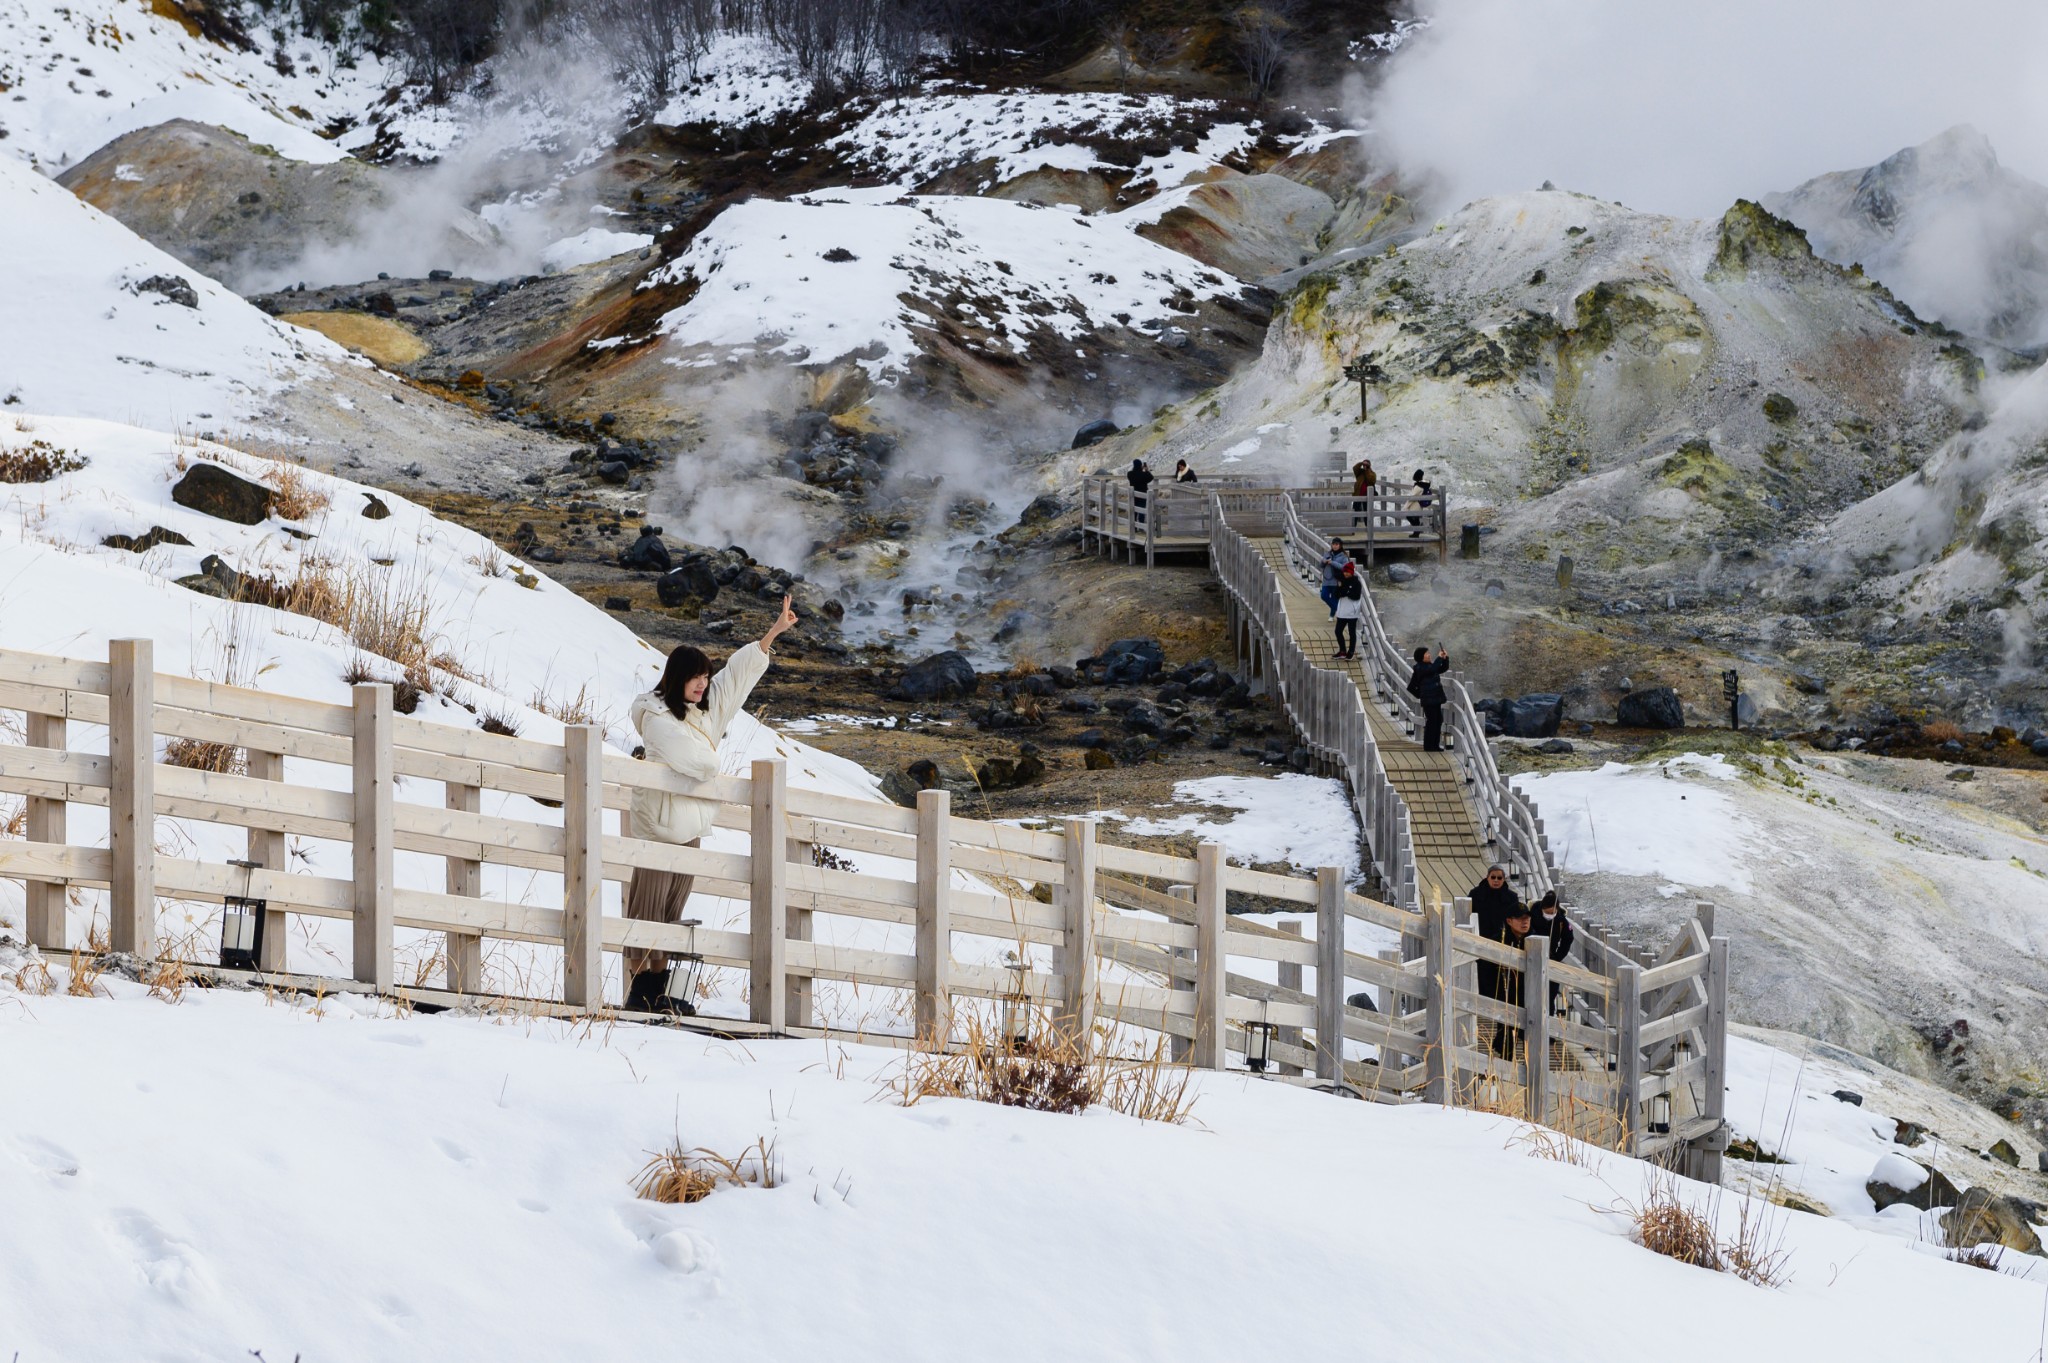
[[1120, 945]]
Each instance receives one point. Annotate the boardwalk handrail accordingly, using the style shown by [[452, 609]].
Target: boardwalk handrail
[[1506, 816], [1326, 708], [1140, 942]]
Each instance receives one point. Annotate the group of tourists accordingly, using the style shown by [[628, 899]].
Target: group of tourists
[[1141, 478], [1365, 484], [1504, 918], [1343, 591]]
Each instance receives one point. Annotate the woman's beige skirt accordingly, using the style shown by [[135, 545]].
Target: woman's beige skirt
[[655, 897]]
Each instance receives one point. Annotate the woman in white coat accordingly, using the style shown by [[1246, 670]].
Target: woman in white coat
[[681, 721]]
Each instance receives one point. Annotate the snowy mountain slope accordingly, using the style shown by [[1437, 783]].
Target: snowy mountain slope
[[1946, 227], [82, 338], [859, 273], [236, 1173], [1859, 913], [82, 72]]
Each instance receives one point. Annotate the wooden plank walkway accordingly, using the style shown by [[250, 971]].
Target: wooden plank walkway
[[1450, 852]]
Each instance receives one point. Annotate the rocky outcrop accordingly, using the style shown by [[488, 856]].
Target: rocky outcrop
[[214, 491], [1656, 707], [1250, 225], [236, 212], [1982, 1217], [940, 676]]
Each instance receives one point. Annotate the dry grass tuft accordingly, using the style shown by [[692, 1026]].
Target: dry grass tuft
[[86, 969], [1666, 1224], [496, 722], [1047, 1067], [34, 977], [198, 754], [1942, 731], [14, 823], [676, 1175], [580, 708], [293, 495]]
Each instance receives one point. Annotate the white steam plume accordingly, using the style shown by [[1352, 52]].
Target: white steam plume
[[1682, 108], [499, 196]]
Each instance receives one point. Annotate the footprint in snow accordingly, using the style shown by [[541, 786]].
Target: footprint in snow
[[170, 1265], [454, 1151], [50, 1158], [674, 1248], [533, 1204]]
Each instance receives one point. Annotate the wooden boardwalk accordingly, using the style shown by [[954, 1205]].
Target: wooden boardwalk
[[1451, 855]]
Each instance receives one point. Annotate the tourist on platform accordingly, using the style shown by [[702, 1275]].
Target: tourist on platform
[[1350, 606], [1426, 684], [1182, 473], [1140, 478], [1334, 564]]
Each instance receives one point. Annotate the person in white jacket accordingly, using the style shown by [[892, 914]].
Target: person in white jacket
[[681, 721]]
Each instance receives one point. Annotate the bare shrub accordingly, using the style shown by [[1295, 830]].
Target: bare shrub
[[33, 977], [198, 754], [1665, 1225], [676, 1175], [580, 708], [503, 722], [37, 462], [1942, 731], [86, 969]]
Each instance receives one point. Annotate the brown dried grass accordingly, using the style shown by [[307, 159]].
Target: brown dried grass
[[1047, 1067], [676, 1175], [197, 754], [1942, 731], [293, 495], [34, 977], [1665, 1223]]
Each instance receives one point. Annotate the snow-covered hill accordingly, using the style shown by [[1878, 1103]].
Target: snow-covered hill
[[241, 1173]]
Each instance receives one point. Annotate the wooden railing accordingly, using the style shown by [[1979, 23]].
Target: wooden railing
[[1168, 517], [1118, 940], [1377, 522], [1508, 820]]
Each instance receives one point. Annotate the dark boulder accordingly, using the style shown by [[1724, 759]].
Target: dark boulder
[[646, 554], [1982, 1217], [1043, 508], [1093, 433], [942, 676], [171, 288], [1532, 716], [924, 772], [1079, 704], [214, 491], [1655, 707], [1143, 719], [1127, 662], [1092, 738], [615, 472], [143, 543], [1556, 747], [691, 580]]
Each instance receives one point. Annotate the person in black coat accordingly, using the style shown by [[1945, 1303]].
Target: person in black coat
[[1492, 901], [1139, 478], [1182, 473], [1507, 981], [1426, 684], [1549, 919]]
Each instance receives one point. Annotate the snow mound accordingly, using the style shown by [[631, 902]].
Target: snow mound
[[587, 248], [911, 140], [739, 81], [1663, 819], [1305, 821], [79, 73], [83, 338], [821, 278], [433, 1169]]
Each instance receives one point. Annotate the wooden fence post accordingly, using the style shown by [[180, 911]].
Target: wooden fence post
[[266, 848], [1628, 1064], [1716, 1081], [1211, 913], [131, 808], [46, 899], [797, 1006], [1536, 1025], [1330, 974], [583, 866], [1077, 899], [768, 920], [1439, 1068], [465, 877], [374, 793], [1465, 1026], [934, 918], [1179, 1048], [1291, 978]]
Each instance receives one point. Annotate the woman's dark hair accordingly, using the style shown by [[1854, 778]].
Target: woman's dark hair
[[1418, 656], [683, 664], [1419, 478], [1549, 900]]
